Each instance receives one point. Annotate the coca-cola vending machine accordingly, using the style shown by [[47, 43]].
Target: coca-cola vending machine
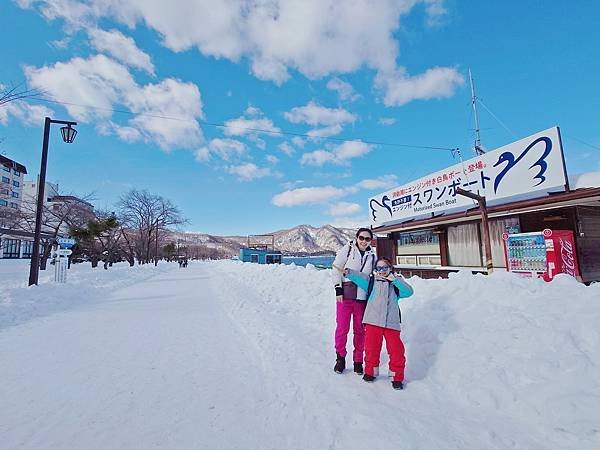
[[542, 254]]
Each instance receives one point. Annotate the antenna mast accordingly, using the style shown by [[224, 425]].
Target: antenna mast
[[478, 149]]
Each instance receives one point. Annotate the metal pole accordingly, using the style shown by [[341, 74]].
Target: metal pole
[[484, 224], [35, 255], [478, 149]]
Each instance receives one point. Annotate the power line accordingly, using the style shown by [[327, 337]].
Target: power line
[[251, 129], [497, 119], [582, 142]]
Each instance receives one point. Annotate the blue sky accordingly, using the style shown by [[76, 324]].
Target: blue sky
[[392, 72]]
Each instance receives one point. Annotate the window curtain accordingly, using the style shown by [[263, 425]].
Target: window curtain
[[464, 245], [497, 227]]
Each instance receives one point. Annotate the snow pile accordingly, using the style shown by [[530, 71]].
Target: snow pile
[[515, 360], [234, 355], [19, 303]]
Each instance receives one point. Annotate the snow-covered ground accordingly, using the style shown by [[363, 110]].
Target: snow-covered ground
[[233, 355]]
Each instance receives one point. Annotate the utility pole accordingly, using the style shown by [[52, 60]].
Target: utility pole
[[484, 225], [478, 149]]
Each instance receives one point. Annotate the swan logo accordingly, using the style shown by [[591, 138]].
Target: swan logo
[[382, 207], [511, 162]]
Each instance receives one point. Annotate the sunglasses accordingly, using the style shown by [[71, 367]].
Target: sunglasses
[[382, 268], [364, 238]]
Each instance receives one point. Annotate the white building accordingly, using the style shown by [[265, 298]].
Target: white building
[[17, 242], [11, 183]]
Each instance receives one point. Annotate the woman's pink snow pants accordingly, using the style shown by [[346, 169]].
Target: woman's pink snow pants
[[346, 310]]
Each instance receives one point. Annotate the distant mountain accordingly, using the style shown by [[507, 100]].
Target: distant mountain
[[300, 240]]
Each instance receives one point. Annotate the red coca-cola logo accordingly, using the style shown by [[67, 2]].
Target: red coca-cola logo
[[567, 256]]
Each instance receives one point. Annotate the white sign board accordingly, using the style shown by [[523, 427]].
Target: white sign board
[[530, 167]]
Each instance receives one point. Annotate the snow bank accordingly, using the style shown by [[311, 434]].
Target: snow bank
[[20, 303], [235, 355], [518, 357]]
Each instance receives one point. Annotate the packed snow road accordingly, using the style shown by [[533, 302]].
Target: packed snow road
[[226, 355]]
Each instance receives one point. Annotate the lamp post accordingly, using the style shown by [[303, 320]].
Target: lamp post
[[68, 134]]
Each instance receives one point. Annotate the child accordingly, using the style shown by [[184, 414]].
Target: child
[[382, 318]]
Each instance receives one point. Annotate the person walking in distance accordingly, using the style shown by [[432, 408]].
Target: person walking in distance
[[350, 299]]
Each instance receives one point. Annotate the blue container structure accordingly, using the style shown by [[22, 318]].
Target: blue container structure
[[260, 253]]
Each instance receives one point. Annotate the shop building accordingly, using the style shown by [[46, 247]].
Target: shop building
[[527, 190]]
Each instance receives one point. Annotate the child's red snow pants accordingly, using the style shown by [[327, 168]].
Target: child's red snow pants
[[374, 339]]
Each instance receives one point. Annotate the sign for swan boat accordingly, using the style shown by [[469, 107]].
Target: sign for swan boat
[[531, 167]]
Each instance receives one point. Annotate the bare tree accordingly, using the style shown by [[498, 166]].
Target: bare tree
[[58, 217], [150, 216]]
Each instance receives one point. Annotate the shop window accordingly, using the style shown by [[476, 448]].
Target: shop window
[[429, 260], [27, 248], [11, 248], [497, 228], [418, 248], [254, 258], [464, 245], [273, 259], [407, 260]]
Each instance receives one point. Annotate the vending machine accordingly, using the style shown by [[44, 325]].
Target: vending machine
[[541, 254]]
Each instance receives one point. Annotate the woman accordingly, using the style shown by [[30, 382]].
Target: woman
[[350, 299]]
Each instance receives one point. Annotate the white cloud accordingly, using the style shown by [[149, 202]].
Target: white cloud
[[30, 115], [317, 38], [400, 88], [436, 12], [316, 115], [298, 141], [120, 47], [344, 89], [272, 159], [97, 80], [251, 123], [103, 83], [286, 148], [317, 158], [249, 171], [307, 196], [387, 121], [383, 182], [331, 120], [223, 148], [352, 149], [325, 132], [340, 154], [343, 209]]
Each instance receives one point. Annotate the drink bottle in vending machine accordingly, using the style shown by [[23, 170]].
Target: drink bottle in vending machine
[[542, 254]]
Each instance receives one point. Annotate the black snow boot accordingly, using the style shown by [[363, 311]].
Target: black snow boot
[[340, 363], [368, 378], [397, 385], [358, 368]]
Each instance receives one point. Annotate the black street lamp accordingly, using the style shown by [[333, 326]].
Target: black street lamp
[[68, 135]]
